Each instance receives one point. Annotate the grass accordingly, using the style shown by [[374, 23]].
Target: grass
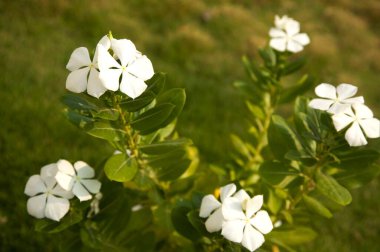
[[199, 45]]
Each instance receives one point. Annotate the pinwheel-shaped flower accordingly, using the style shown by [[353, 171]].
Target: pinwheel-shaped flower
[[84, 74], [286, 36], [212, 208], [134, 68], [360, 117], [77, 179], [336, 100], [244, 222], [48, 199]]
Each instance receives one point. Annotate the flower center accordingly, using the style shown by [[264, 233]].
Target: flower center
[[77, 178], [123, 68]]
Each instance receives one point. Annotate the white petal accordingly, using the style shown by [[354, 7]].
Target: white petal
[[326, 90], [362, 111], [322, 104], [64, 180], [36, 206], [132, 86], [83, 170], [274, 33], [65, 167], [110, 78], [76, 81], [254, 205], [49, 170], [141, 68], [92, 185], [209, 204], [34, 186], [79, 58], [355, 136], [346, 91], [354, 100], [338, 107], [278, 44], [95, 86], [106, 43], [81, 192], [241, 195], [227, 191], [59, 191], [302, 39], [262, 222], [371, 127], [294, 46], [252, 239], [292, 27], [214, 223], [232, 209], [233, 230], [341, 121], [56, 208], [125, 50], [104, 59]]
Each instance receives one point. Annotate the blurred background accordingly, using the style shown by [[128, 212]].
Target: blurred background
[[199, 44]]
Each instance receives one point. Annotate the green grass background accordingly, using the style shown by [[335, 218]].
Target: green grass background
[[199, 44]]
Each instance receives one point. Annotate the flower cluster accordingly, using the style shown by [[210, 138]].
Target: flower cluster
[[116, 65], [347, 112], [51, 190], [237, 215], [286, 36]]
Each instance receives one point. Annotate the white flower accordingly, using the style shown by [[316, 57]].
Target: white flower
[[212, 208], [84, 74], [134, 68], [360, 117], [286, 35], [48, 199], [337, 99], [77, 179], [244, 223]]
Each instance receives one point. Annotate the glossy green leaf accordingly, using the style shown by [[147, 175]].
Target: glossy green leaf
[[329, 187], [269, 56], [81, 121], [293, 66], [182, 223], [164, 147], [316, 206], [255, 110], [106, 131], [133, 105], [275, 172], [291, 93], [77, 102], [176, 97], [121, 168], [49, 226], [354, 177], [107, 114]]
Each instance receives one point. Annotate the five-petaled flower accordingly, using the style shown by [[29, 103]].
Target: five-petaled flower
[[77, 179], [286, 35], [48, 199], [361, 121], [336, 100]]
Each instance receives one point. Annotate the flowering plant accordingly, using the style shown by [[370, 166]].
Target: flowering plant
[[283, 173]]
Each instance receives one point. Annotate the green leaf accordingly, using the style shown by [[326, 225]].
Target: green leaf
[[291, 93], [153, 119], [239, 145], [358, 159], [157, 83], [81, 121], [316, 206], [275, 172], [268, 56], [121, 168], [293, 66], [106, 131], [292, 236], [329, 187], [107, 114], [77, 102], [255, 110], [182, 223], [45, 225], [175, 96], [164, 147], [354, 177]]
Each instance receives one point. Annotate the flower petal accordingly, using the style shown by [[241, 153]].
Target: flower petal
[[56, 208], [141, 68], [65, 167], [274, 33], [278, 44], [49, 170], [132, 86], [36, 206], [326, 90], [110, 78], [59, 191], [95, 86], [232, 209], [76, 81], [252, 239], [104, 59], [321, 104], [338, 107], [362, 111], [209, 204], [83, 170], [254, 205], [301, 38], [81, 192], [241, 195], [233, 230], [346, 91], [262, 222], [292, 27], [214, 223], [354, 100], [106, 43], [293, 46], [227, 191], [34, 186], [125, 50], [64, 180], [341, 121], [371, 127], [355, 136], [79, 58], [92, 185]]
